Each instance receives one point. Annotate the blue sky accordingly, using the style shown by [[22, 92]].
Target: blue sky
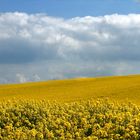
[[71, 8]]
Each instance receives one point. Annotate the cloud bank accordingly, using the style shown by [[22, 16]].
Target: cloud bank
[[38, 47]]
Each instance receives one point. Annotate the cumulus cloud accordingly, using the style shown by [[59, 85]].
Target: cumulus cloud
[[21, 78], [58, 48], [36, 77]]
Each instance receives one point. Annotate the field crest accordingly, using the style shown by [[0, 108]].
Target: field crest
[[117, 88]]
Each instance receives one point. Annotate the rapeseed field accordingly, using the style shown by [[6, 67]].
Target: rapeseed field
[[116, 88], [84, 108], [81, 120]]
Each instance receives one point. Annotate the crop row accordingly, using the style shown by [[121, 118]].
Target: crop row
[[89, 120]]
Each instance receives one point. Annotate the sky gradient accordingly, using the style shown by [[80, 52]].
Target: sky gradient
[[71, 8]]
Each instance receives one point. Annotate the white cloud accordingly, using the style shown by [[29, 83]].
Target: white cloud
[[21, 78], [36, 77], [59, 48]]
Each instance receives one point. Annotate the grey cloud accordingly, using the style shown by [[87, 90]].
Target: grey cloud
[[51, 47], [27, 38]]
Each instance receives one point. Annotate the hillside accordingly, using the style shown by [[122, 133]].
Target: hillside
[[89, 117], [116, 87]]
